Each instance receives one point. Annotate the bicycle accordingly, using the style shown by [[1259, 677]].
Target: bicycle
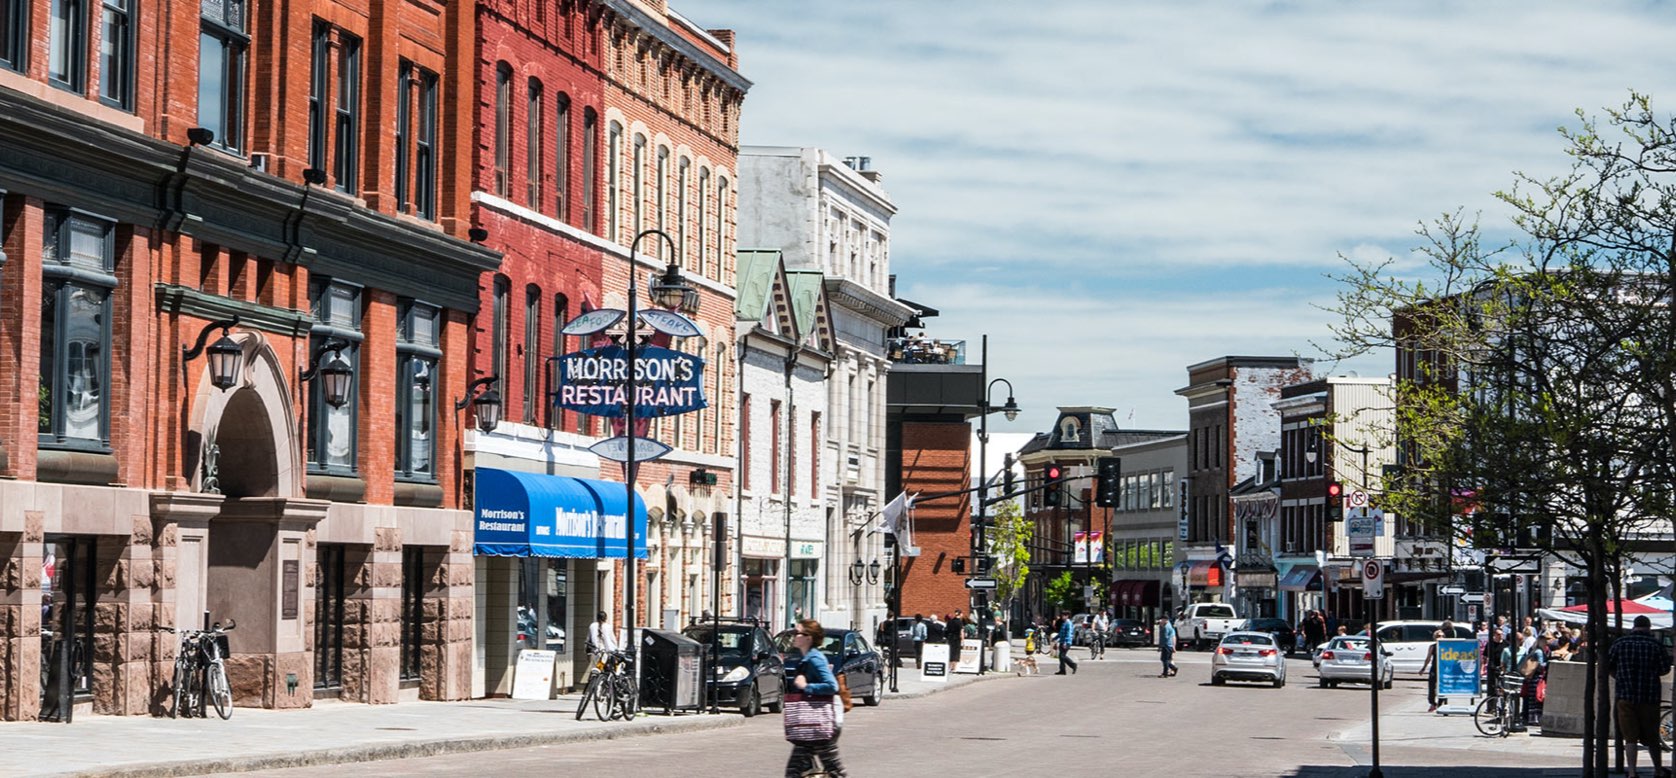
[[1495, 714], [611, 690], [201, 672], [1667, 728]]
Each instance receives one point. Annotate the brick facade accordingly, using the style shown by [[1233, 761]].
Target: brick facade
[[936, 459]]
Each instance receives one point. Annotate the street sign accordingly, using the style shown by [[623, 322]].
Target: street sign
[[1360, 530], [1373, 579], [980, 583], [1357, 499], [1473, 597], [616, 449], [1457, 590]]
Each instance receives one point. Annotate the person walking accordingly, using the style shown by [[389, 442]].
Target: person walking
[[1067, 628], [812, 697], [1315, 629], [1167, 647], [1430, 669], [1637, 660], [918, 632], [955, 628]]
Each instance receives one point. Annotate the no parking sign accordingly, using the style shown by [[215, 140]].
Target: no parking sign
[[1373, 579]]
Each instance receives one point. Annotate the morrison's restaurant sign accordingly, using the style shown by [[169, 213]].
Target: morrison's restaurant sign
[[666, 382]]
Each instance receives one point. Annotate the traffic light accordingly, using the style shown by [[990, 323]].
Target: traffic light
[[1335, 501], [1108, 479], [1007, 480], [1051, 477], [984, 564]]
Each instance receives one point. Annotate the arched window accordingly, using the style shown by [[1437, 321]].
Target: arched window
[[503, 129], [590, 169], [533, 133], [721, 225], [703, 214], [613, 182], [662, 189], [681, 216], [638, 179], [561, 158]]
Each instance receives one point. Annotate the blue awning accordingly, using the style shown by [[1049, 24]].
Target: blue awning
[[531, 514], [1301, 578]]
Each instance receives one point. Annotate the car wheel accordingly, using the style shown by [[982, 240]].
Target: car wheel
[[1279, 683], [873, 697], [1323, 684], [1217, 680], [1388, 683], [752, 704]]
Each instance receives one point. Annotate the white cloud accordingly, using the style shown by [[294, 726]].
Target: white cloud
[[1173, 178]]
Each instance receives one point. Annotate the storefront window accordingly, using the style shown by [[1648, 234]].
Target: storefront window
[[803, 572], [558, 590], [760, 577]]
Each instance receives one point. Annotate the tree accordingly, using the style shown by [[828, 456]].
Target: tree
[[1010, 536], [1537, 379]]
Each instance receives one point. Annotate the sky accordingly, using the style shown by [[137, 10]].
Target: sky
[[1115, 190]]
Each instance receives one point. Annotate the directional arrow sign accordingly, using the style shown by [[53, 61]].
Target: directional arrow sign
[[980, 583]]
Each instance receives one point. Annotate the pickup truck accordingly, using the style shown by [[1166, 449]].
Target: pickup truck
[[1206, 622]]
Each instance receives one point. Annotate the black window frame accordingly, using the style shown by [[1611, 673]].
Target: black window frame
[[561, 317], [500, 325], [346, 115], [319, 411], [637, 179], [319, 87], [503, 130], [590, 170], [535, 115], [406, 86], [116, 66], [60, 279], [330, 599], [228, 31], [73, 14], [425, 147], [614, 181], [14, 35], [561, 157], [413, 613], [417, 369], [532, 353]]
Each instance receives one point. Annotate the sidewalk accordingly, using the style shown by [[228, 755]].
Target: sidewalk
[[337, 733], [1404, 724]]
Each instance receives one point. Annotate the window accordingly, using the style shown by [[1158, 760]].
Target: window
[[662, 188], [774, 448], [318, 86], [222, 46], [532, 352], [721, 225], [561, 159], [561, 316], [14, 34], [404, 131], [336, 307], [745, 447], [116, 54], [815, 454], [532, 145], [424, 149], [703, 204], [348, 115], [78, 265], [503, 291], [503, 129], [637, 179], [613, 163], [590, 148], [418, 347], [66, 44], [681, 211]]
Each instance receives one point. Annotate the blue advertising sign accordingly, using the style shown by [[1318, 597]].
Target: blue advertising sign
[[1457, 669], [667, 382], [534, 514]]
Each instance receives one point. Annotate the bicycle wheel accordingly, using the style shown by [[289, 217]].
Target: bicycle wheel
[[219, 692], [1667, 729], [1488, 716], [628, 698], [605, 702], [181, 704], [589, 693]]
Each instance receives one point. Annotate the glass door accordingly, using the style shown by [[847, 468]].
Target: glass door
[[67, 599], [328, 617]]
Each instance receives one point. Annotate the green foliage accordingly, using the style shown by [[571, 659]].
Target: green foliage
[[1010, 537], [1061, 592]]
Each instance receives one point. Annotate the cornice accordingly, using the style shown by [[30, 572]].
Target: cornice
[[646, 23], [855, 297], [173, 298]]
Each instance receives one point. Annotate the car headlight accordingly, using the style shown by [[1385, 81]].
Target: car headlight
[[739, 673]]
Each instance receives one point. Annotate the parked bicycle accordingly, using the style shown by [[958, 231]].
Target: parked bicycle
[[1496, 713], [611, 689], [201, 672]]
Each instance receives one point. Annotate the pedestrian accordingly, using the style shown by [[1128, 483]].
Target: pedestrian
[[1430, 669], [1066, 627], [811, 704], [1492, 652], [1534, 666], [601, 638], [954, 628], [1637, 660], [1167, 647], [1315, 629], [919, 639], [1097, 641]]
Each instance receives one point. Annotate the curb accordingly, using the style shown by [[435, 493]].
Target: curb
[[413, 749], [939, 688]]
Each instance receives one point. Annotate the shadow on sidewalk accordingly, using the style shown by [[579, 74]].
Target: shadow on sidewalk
[[1435, 771]]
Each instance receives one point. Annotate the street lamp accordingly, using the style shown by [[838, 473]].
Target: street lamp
[[1011, 411], [669, 291], [334, 375], [865, 572], [485, 406], [224, 355]]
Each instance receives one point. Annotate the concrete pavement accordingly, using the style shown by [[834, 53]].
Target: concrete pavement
[[336, 733]]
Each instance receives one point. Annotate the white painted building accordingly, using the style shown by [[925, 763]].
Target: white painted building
[[833, 216]]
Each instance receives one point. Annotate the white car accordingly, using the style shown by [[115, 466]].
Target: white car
[[1348, 659], [1409, 641], [1248, 656]]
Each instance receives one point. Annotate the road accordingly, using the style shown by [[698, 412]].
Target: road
[[1116, 717]]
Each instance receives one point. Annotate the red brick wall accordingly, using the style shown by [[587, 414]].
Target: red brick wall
[[936, 459]]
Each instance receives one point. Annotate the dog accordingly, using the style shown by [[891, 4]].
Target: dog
[[1026, 665]]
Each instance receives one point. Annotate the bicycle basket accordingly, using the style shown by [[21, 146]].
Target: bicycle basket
[[221, 646]]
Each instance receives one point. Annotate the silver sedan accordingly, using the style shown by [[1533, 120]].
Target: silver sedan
[[1349, 659], [1248, 656]]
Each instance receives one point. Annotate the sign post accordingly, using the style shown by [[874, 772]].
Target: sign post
[[1373, 590]]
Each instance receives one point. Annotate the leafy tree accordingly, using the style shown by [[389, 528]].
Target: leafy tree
[[1010, 537], [1060, 591], [1542, 399]]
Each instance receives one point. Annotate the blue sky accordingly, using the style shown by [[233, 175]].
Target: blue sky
[[1115, 190]]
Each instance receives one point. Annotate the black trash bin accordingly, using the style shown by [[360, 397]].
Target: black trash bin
[[671, 671]]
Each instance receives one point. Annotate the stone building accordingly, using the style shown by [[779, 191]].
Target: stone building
[[143, 212], [834, 216]]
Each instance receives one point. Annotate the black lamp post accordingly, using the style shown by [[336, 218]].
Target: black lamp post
[[225, 355], [335, 376], [485, 406], [670, 291], [981, 613]]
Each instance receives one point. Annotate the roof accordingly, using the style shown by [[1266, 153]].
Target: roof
[[754, 279], [806, 288]]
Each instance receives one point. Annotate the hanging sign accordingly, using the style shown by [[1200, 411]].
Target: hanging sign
[[616, 449], [670, 323], [666, 382], [593, 321]]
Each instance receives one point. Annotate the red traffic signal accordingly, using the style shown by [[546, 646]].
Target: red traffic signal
[[1335, 489], [1053, 473]]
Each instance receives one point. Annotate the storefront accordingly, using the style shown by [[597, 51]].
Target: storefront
[[1203, 580], [1257, 591], [1300, 588], [1138, 598], [556, 535]]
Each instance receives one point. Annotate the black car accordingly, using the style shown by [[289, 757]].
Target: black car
[[749, 674], [1129, 632], [848, 653], [1283, 634]]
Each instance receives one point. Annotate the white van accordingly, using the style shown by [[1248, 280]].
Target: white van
[[1408, 641]]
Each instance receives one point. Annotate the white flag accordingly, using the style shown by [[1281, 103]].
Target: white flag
[[891, 516]]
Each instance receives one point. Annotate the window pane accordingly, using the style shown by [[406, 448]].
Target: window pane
[[87, 245], [420, 417], [113, 53], [84, 352], [338, 440], [212, 69], [64, 41], [49, 347], [11, 27]]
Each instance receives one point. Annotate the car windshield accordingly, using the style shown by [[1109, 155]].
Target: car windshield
[[1353, 644], [832, 647], [1126, 623], [1216, 612], [1268, 624], [735, 643], [1248, 640]]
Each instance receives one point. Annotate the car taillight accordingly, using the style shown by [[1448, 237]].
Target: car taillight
[[1266, 652], [1367, 657], [1327, 655], [1225, 651]]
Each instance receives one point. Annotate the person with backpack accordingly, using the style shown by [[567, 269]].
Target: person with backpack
[[812, 704]]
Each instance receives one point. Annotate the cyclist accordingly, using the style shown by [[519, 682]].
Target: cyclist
[[1097, 637]]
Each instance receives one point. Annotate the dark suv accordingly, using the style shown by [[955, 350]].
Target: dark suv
[[749, 673]]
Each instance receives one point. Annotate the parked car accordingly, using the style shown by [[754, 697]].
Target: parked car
[[1408, 641], [1204, 623], [1283, 634], [1082, 631], [1247, 656], [1129, 632], [848, 652], [749, 674], [899, 631], [1349, 659]]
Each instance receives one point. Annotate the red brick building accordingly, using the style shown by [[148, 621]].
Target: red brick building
[[305, 188]]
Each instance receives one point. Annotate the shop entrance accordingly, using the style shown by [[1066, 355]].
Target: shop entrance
[[67, 599]]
